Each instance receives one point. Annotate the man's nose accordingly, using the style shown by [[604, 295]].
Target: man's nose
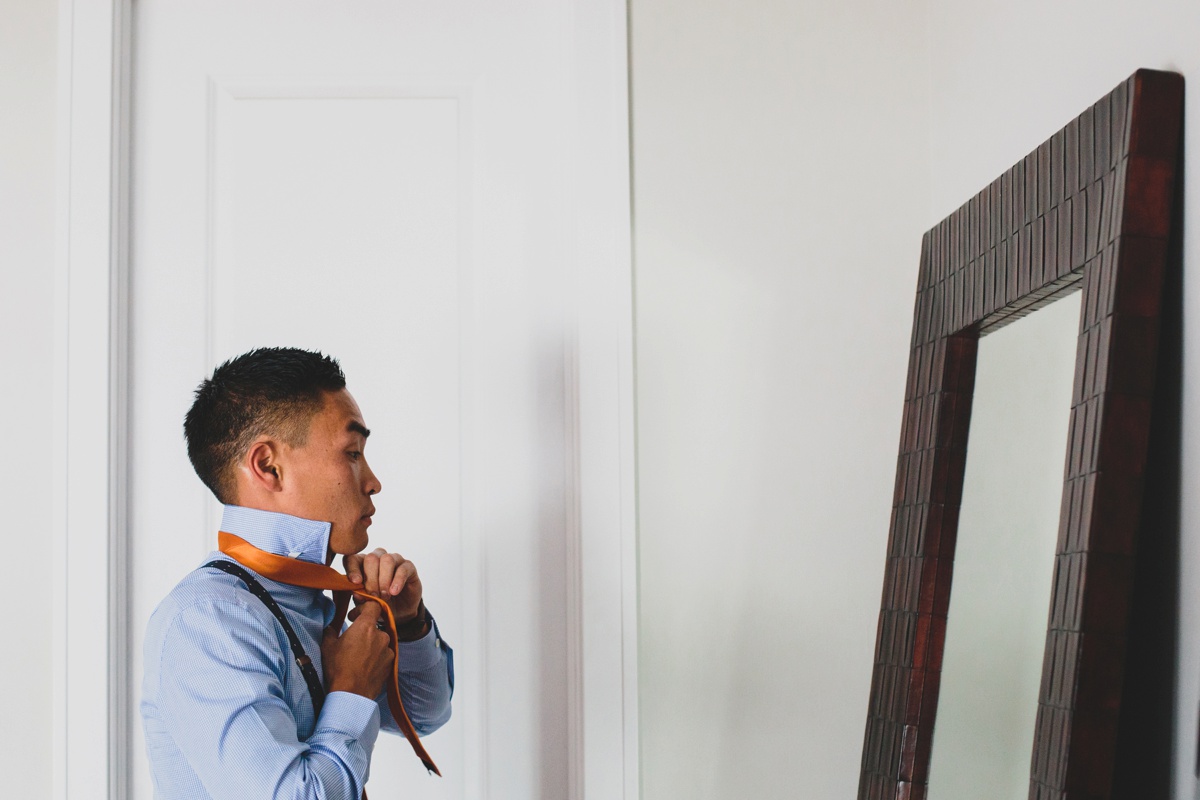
[[372, 484]]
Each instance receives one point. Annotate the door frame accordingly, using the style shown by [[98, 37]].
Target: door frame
[[90, 609]]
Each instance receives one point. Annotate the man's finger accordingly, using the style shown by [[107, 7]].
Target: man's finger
[[387, 568], [370, 571], [404, 573], [371, 568], [368, 613], [394, 571], [330, 633], [353, 566]]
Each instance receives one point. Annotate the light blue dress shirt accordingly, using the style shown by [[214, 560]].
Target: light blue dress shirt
[[226, 711]]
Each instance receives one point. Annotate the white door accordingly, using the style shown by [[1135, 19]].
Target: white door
[[396, 184]]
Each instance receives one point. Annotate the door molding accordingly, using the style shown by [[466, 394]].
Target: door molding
[[89, 662], [92, 684]]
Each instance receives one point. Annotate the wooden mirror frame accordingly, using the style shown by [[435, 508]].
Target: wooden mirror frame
[[1090, 208]]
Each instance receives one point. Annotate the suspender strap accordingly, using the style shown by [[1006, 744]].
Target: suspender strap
[[315, 687]]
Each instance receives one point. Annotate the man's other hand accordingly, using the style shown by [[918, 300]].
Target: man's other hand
[[360, 660], [390, 576]]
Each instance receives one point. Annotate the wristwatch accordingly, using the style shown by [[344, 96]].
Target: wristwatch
[[416, 627]]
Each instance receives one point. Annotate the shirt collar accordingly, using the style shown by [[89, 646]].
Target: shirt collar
[[282, 534]]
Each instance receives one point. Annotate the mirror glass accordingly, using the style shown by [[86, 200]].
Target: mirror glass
[[1004, 557]]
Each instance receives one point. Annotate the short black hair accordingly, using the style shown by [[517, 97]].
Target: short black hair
[[271, 390]]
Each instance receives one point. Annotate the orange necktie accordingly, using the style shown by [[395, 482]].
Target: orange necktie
[[319, 576]]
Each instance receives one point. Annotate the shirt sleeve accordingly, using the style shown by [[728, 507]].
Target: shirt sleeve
[[426, 672], [221, 695]]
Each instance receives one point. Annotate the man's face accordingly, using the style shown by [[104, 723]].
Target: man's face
[[328, 479]]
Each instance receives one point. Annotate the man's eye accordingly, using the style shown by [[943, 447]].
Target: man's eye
[[355, 454]]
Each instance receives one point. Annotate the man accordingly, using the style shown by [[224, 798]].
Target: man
[[227, 707]]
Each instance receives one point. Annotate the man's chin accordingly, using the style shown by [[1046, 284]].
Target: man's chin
[[340, 545]]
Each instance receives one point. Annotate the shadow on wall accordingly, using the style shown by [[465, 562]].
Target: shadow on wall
[[1142, 770]]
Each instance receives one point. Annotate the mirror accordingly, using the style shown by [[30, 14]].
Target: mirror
[[1003, 559], [1089, 209]]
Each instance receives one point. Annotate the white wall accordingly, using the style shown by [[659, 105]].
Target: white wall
[[787, 159], [27, 169], [780, 194]]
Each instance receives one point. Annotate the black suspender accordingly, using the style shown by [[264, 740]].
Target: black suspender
[[315, 687]]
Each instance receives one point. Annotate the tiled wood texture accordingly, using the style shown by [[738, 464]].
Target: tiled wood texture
[[1089, 209]]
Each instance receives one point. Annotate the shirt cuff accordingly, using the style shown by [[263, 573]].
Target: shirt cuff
[[422, 654], [352, 715]]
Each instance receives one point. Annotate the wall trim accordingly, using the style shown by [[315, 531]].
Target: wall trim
[[603, 413], [92, 685], [90, 665]]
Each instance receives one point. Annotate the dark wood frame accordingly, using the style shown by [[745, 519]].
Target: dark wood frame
[[1090, 208]]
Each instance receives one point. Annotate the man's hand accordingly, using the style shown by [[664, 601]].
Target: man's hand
[[390, 576], [360, 660]]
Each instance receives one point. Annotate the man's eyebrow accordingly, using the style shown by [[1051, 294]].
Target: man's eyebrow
[[358, 427]]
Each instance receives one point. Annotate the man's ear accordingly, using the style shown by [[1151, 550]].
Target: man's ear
[[262, 466]]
